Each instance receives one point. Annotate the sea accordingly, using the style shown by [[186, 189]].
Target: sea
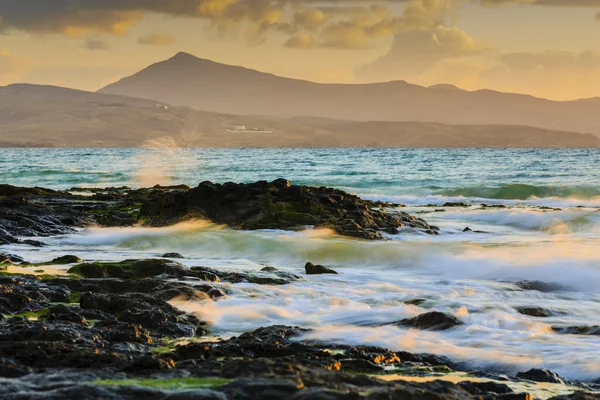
[[548, 230]]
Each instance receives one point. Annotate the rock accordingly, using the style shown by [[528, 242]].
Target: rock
[[360, 365], [469, 230], [541, 286], [172, 255], [415, 302], [263, 278], [150, 312], [69, 259], [277, 205], [577, 396], [434, 321], [593, 330], [10, 258], [455, 204], [542, 375], [482, 388], [129, 269], [269, 269], [534, 312], [312, 269], [63, 312]]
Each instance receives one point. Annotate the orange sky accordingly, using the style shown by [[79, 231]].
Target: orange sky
[[548, 48]]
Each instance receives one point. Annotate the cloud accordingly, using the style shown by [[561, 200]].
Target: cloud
[[157, 39], [300, 42], [413, 52], [557, 75], [96, 44], [550, 3], [346, 24], [554, 3]]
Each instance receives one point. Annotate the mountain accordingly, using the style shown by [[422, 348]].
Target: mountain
[[48, 116], [429, 134], [185, 80]]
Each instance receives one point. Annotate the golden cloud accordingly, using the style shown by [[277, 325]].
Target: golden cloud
[[157, 39]]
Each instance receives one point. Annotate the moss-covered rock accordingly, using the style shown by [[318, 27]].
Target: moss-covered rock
[[129, 269], [277, 205], [170, 383]]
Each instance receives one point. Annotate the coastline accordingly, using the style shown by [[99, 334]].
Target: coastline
[[129, 329]]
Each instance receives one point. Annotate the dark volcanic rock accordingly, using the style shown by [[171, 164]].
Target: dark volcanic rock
[[172, 255], [312, 269], [534, 312], [68, 259], [593, 330], [479, 388], [275, 277], [276, 205], [130, 269], [360, 365], [456, 204], [541, 375], [577, 396], [434, 320], [541, 286], [148, 311], [10, 258]]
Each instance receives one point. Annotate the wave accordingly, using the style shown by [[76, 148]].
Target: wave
[[572, 261], [519, 191]]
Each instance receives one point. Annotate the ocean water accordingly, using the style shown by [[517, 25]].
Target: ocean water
[[549, 231]]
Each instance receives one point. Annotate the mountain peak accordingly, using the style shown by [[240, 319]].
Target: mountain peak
[[183, 54], [446, 86]]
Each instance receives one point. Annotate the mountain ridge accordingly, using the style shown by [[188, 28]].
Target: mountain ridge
[[51, 116], [186, 80]]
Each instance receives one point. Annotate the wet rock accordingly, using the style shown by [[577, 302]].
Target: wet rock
[[10, 258], [11, 303], [434, 320], [273, 341], [269, 269], [68, 259], [63, 312], [360, 365], [540, 286], [482, 388], [577, 396], [172, 255], [130, 269], [149, 362], [312, 269], [455, 204], [542, 375], [593, 330], [148, 311], [276, 205], [534, 312], [415, 302], [263, 278]]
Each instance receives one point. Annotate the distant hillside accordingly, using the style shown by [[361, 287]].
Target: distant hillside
[[423, 134], [46, 116], [185, 80]]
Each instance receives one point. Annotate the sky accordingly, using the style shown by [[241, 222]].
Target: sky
[[546, 48]]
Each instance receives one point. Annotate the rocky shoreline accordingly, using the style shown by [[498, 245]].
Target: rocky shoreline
[[261, 205], [112, 330]]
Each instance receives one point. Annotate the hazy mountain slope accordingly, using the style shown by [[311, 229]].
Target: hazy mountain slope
[[420, 134], [51, 116], [71, 118], [189, 81]]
